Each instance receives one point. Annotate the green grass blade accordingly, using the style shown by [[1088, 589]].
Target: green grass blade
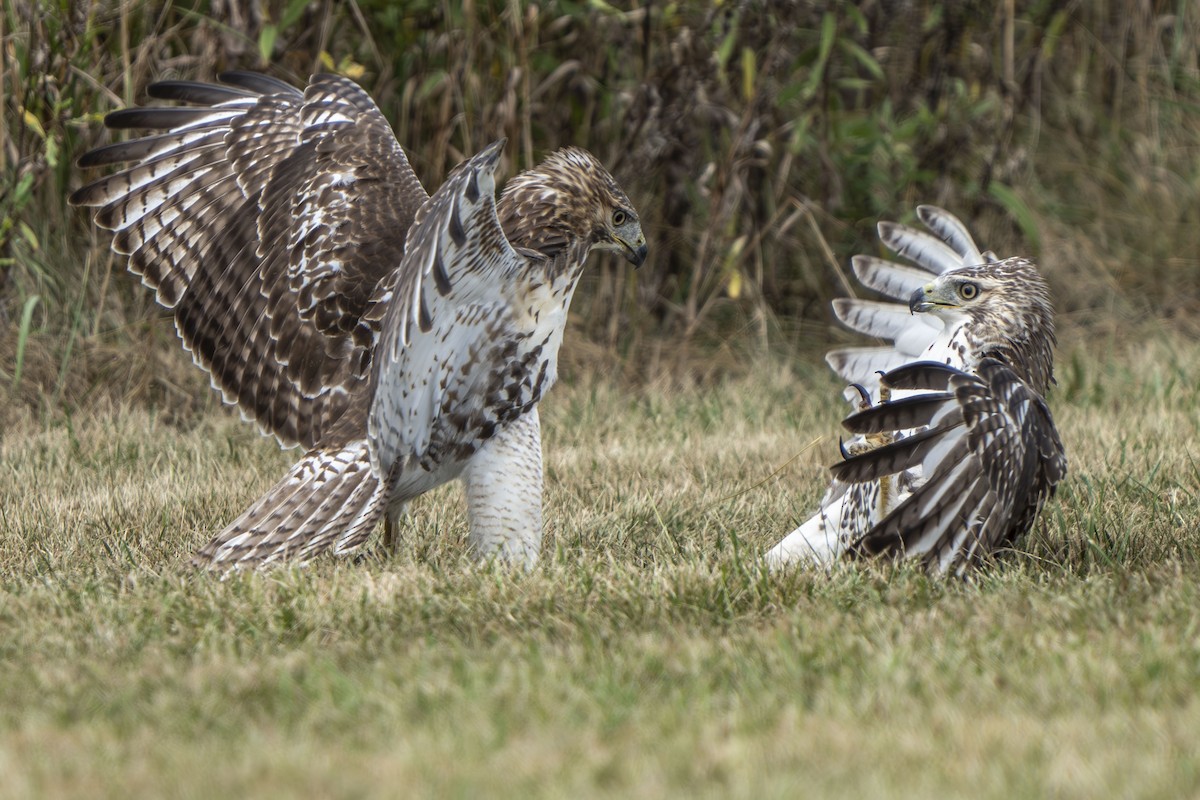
[[23, 336]]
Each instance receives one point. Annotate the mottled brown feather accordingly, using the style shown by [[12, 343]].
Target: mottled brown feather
[[267, 227], [310, 274], [961, 453]]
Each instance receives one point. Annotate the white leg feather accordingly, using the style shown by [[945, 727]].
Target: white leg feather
[[504, 494]]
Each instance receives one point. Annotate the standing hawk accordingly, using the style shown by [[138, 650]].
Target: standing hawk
[[404, 340], [960, 452]]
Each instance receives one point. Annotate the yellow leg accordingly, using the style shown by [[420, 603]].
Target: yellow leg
[[885, 483], [391, 537]]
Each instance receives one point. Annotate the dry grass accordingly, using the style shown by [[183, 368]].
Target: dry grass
[[648, 655]]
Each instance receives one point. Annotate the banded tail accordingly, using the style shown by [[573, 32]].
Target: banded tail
[[329, 500]]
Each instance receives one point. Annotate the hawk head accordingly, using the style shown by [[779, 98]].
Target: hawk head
[[1003, 310], [570, 200]]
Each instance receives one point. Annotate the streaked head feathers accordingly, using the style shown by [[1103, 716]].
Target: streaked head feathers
[[1006, 312], [568, 193]]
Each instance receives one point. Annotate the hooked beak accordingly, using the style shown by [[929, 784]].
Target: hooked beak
[[636, 256], [919, 301], [634, 253]]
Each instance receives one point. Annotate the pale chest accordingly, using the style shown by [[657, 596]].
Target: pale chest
[[953, 347], [505, 368]]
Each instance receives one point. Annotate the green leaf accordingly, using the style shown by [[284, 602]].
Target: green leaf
[[33, 123], [858, 19], [828, 34], [748, 73], [605, 8], [52, 152], [28, 234], [726, 49], [292, 13], [934, 20], [865, 59], [853, 84], [21, 195], [788, 94], [799, 139], [1014, 205], [431, 82], [266, 41], [1053, 34], [23, 336]]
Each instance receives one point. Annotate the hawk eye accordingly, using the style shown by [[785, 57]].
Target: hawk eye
[[619, 218], [968, 291]]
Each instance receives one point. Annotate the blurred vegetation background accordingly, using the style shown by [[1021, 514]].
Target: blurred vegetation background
[[760, 141]]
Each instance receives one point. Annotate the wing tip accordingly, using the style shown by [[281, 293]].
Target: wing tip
[[489, 157], [886, 229], [841, 307], [927, 213]]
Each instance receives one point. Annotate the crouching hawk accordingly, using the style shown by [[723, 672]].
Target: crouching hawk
[[404, 340], [954, 449]]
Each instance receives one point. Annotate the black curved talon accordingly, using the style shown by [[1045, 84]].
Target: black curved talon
[[842, 448], [863, 393]]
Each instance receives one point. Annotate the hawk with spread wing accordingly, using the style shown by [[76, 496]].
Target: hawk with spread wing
[[955, 451], [403, 340]]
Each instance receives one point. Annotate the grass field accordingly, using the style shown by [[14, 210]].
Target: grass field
[[650, 654]]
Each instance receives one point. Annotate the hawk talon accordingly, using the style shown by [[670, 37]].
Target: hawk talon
[[864, 394]]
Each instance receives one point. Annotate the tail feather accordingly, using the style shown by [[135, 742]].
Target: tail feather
[[154, 146], [331, 499], [898, 415], [257, 82]]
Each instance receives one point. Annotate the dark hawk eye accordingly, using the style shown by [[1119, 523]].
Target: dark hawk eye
[[968, 291], [619, 218]]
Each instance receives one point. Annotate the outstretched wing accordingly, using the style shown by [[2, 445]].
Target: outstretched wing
[[990, 452], [266, 220], [447, 324], [909, 336]]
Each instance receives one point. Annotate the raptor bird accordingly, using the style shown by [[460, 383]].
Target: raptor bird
[[954, 450], [403, 340]]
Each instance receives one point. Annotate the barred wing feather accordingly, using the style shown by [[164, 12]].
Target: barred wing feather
[[909, 337], [267, 220], [989, 449], [450, 291], [954, 451]]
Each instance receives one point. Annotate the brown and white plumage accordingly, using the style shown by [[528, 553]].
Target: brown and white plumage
[[404, 340], [266, 219], [955, 450]]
